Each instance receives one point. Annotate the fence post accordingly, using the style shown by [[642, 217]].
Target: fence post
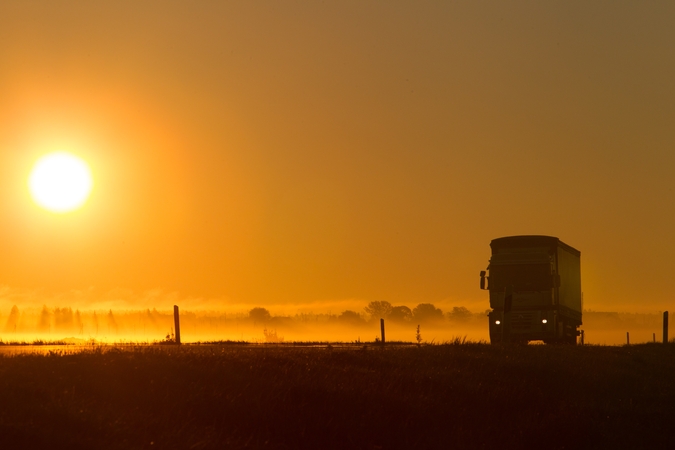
[[382, 329], [176, 322], [582, 337], [665, 327], [627, 338]]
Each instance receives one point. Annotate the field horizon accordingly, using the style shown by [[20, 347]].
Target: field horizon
[[258, 325]]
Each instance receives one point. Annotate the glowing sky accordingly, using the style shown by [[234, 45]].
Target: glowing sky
[[289, 152]]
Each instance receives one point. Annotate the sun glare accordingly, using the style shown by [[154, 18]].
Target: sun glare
[[60, 182]]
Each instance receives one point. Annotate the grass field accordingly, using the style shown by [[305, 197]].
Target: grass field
[[257, 396]]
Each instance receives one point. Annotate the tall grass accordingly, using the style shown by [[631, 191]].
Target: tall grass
[[463, 395]]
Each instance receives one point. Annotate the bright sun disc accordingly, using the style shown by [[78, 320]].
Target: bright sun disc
[[60, 182]]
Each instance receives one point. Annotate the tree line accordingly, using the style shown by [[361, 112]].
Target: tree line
[[376, 310]]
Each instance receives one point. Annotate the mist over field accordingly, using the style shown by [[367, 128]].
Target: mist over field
[[262, 325], [256, 325]]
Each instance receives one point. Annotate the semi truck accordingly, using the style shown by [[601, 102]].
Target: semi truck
[[535, 290]]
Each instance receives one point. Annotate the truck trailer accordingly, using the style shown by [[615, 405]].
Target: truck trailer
[[535, 290]]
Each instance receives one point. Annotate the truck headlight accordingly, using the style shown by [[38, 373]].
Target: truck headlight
[[544, 321], [497, 322]]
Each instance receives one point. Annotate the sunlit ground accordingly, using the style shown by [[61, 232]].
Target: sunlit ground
[[260, 333], [205, 330]]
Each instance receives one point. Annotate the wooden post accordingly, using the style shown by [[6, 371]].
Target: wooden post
[[627, 338], [176, 321], [582, 337], [665, 327], [382, 329]]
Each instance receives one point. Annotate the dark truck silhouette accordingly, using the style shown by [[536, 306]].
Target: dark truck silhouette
[[535, 290]]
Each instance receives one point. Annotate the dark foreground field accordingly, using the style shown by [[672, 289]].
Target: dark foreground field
[[445, 396]]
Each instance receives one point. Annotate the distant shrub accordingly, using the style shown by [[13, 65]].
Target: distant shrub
[[271, 336], [170, 338]]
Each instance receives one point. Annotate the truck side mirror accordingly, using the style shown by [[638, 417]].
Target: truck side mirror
[[555, 280], [482, 279]]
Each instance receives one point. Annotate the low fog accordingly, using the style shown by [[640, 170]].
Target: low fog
[[256, 325], [260, 325]]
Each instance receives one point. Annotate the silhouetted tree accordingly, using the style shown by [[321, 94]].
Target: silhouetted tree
[[378, 310], [152, 315], [460, 314], [259, 315], [13, 320], [44, 323], [95, 320], [78, 322], [112, 323], [63, 319], [400, 314], [351, 317], [426, 312]]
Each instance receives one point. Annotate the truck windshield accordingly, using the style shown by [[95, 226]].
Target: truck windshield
[[527, 277]]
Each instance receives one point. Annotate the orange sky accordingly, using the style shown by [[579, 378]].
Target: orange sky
[[294, 152]]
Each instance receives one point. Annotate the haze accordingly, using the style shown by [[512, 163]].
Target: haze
[[324, 155]]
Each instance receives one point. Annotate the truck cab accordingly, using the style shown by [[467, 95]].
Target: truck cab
[[535, 290]]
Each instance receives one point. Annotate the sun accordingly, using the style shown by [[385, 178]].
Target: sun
[[60, 182]]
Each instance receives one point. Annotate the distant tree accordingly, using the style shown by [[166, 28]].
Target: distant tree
[[426, 312], [152, 315], [78, 322], [63, 319], [45, 320], [350, 317], [378, 310], [401, 314], [112, 323], [460, 314], [259, 315], [13, 320]]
